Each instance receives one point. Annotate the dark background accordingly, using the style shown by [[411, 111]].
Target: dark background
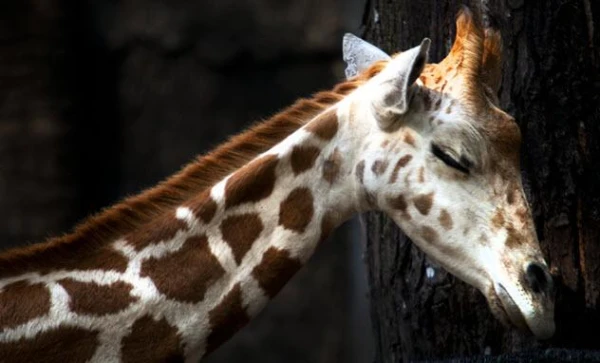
[[99, 100]]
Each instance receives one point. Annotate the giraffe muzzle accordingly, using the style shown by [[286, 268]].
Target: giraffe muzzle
[[511, 309], [534, 317]]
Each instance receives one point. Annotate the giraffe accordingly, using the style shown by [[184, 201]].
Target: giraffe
[[171, 274]]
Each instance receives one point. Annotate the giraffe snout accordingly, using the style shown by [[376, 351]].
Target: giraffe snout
[[539, 278]]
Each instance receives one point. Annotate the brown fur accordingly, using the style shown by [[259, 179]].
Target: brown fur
[[161, 229], [398, 203], [226, 318], [360, 171], [252, 183], [203, 206], [12, 310], [429, 234], [89, 298], [185, 275], [379, 167], [422, 174], [303, 158], [240, 231], [275, 270], [423, 203], [467, 50], [498, 219], [445, 220], [296, 210], [409, 138], [205, 171], [53, 343], [152, 341], [325, 125], [513, 238], [400, 164], [331, 166]]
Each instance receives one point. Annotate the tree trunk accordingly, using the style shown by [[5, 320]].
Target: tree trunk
[[551, 84]]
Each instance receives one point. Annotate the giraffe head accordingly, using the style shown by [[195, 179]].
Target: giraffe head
[[442, 160]]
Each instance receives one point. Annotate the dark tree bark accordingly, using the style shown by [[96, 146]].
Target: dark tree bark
[[551, 84]]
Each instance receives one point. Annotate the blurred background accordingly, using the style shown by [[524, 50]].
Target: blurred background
[[99, 100]]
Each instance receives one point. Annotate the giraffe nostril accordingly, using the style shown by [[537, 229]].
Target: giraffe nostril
[[539, 278]]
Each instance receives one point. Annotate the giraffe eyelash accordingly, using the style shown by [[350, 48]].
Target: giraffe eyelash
[[462, 166]]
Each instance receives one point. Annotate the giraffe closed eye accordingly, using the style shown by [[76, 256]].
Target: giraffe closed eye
[[463, 165]]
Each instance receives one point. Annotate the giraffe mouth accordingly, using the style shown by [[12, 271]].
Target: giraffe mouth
[[509, 311]]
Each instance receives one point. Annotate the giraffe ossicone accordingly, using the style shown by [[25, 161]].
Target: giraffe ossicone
[[173, 273]]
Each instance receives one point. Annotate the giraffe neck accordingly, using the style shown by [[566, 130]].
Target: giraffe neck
[[189, 279], [264, 222]]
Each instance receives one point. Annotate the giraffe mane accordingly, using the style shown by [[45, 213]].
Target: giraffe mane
[[202, 173]]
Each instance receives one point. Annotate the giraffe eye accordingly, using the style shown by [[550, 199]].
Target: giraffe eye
[[449, 160]]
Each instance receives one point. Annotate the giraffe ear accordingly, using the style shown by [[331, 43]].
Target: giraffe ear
[[402, 72], [360, 55]]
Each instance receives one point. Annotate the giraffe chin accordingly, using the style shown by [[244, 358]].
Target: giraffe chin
[[509, 310]]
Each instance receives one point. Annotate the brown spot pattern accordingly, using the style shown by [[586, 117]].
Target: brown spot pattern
[[152, 341], [303, 158], [240, 231], [325, 125], [162, 229], [296, 210], [398, 203], [423, 203], [331, 166], [93, 299], [252, 183], [429, 234], [204, 207], [422, 175], [445, 220], [65, 344], [400, 164], [379, 167], [226, 318], [360, 171], [498, 219], [385, 143], [185, 275], [409, 139], [521, 215], [275, 269], [513, 239], [21, 302]]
